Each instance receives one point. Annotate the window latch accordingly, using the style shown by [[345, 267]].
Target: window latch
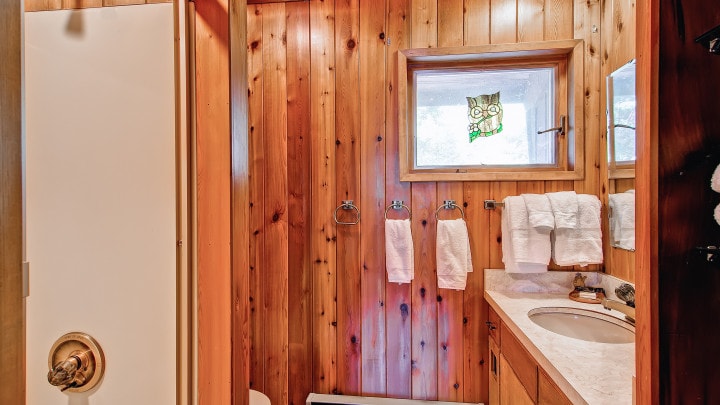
[[560, 129]]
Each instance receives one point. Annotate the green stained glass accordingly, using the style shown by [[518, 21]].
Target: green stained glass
[[485, 113]]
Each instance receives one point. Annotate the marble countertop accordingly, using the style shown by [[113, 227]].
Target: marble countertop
[[587, 372]]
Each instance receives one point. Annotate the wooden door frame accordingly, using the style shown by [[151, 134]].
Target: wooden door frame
[[12, 322], [646, 259]]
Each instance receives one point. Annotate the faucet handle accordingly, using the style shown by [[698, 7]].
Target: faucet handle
[[626, 292]]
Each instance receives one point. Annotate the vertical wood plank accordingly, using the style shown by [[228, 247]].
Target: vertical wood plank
[[240, 209], [12, 318], [398, 296], [450, 302], [372, 161], [322, 188], [477, 22], [275, 261], [558, 19], [299, 275], [530, 20], [475, 337], [213, 203], [503, 21], [424, 294], [347, 163], [256, 224], [424, 287]]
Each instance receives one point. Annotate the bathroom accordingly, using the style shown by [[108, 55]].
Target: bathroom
[[322, 114]]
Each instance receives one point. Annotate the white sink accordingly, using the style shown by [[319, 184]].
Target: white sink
[[583, 324]]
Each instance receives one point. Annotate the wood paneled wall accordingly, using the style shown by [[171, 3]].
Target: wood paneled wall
[[12, 312], [323, 128], [618, 48]]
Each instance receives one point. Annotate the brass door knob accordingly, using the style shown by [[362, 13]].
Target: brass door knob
[[76, 362]]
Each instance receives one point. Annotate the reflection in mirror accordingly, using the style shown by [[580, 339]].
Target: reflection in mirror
[[622, 220], [621, 122]]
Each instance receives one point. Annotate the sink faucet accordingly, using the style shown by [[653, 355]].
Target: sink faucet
[[625, 292]]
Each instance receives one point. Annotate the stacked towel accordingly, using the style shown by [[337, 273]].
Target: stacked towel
[[453, 254], [540, 215], [581, 245], [526, 249], [565, 209], [399, 258], [622, 219]]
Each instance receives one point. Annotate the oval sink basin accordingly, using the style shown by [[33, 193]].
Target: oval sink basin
[[583, 324]]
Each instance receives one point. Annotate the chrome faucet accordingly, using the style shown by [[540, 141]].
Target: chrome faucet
[[626, 292]]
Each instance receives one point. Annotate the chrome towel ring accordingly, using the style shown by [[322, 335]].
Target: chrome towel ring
[[347, 205], [449, 205], [397, 205]]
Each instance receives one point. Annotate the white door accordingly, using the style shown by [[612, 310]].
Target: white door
[[101, 214]]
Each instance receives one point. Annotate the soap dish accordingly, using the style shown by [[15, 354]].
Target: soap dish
[[599, 295]]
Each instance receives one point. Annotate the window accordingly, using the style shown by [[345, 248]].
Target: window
[[488, 113]]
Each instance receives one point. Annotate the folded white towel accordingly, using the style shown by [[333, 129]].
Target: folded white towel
[[581, 245], [452, 251], [399, 259], [540, 214], [622, 219], [715, 180], [525, 249], [565, 209]]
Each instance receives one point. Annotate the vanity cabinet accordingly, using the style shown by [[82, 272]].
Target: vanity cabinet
[[515, 377]]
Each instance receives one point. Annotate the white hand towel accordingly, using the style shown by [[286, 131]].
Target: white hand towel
[[583, 244], [539, 211], [715, 180], [399, 259], [565, 209], [452, 251], [525, 249], [622, 219]]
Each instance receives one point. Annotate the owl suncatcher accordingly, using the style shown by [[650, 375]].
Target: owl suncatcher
[[485, 113]]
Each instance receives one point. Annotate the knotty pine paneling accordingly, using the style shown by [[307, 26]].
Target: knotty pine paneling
[[349, 331]]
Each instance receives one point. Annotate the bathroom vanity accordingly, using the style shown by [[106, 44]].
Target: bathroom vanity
[[530, 364]]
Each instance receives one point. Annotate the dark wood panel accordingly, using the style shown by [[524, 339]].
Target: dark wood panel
[[687, 156], [12, 319]]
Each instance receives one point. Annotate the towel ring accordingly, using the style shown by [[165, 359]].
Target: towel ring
[[347, 205], [396, 205], [449, 205]]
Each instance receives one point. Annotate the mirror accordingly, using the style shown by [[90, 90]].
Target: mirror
[[621, 156], [621, 122]]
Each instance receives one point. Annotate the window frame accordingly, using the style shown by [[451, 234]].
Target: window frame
[[567, 54]]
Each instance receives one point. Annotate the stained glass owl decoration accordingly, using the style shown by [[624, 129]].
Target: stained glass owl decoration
[[485, 113]]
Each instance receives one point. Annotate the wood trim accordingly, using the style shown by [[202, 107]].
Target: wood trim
[[214, 281], [53, 5], [12, 320], [240, 202], [646, 255]]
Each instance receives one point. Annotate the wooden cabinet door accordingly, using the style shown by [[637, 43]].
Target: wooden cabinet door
[[512, 391], [548, 392]]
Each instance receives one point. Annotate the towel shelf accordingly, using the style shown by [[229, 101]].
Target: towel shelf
[[398, 205], [449, 205], [347, 205]]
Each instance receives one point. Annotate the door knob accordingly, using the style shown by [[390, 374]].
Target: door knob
[[76, 362]]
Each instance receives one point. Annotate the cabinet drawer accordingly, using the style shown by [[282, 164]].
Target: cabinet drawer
[[521, 361]]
